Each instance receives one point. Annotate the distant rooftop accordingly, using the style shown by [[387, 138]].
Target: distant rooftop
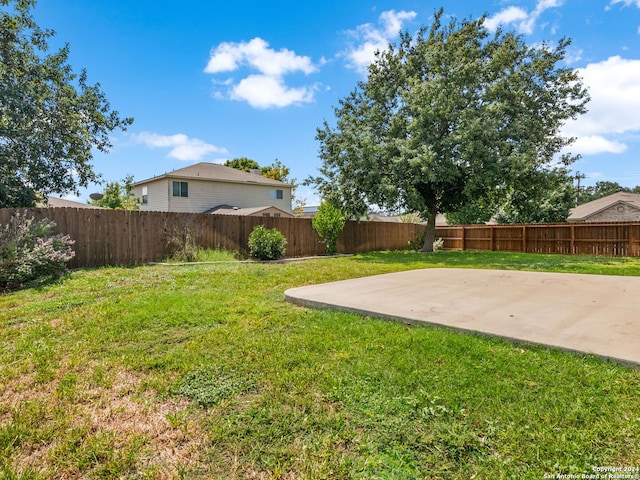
[[591, 208], [215, 171], [55, 202]]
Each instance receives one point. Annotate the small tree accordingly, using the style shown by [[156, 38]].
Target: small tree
[[118, 196], [328, 223]]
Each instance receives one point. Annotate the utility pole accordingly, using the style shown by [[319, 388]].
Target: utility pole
[[579, 176]]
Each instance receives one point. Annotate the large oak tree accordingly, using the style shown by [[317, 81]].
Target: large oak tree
[[454, 115], [50, 117]]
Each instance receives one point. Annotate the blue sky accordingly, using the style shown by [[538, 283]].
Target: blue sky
[[213, 80]]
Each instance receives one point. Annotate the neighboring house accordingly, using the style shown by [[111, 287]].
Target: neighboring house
[[204, 186], [54, 202], [441, 221], [619, 207], [250, 212]]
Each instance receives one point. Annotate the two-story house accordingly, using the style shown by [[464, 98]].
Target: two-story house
[[205, 187]]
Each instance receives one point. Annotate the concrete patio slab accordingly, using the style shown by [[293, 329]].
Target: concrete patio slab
[[593, 314]]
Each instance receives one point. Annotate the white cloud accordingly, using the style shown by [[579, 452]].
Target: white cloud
[[594, 144], [573, 55], [266, 89], [624, 3], [371, 39], [614, 109], [505, 17], [256, 54], [614, 86], [181, 146], [523, 21]]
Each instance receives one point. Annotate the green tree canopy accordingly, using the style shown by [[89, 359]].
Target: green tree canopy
[[118, 196], [277, 171], [549, 199], [243, 163], [603, 188], [50, 118], [450, 116]]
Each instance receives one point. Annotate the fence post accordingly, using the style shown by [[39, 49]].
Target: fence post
[[572, 245], [633, 241], [524, 239], [493, 238], [464, 238]]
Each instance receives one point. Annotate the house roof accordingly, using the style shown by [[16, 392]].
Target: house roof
[[589, 209], [55, 202], [217, 172], [230, 210]]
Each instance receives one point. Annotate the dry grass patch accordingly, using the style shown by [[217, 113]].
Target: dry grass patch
[[83, 427]]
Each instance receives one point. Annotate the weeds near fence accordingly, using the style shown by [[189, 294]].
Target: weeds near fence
[[183, 237]]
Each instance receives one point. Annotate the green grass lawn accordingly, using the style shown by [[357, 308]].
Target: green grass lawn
[[204, 371]]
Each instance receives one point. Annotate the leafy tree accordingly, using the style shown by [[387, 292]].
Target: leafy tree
[[451, 116], [549, 199], [328, 223], [541, 204], [277, 171], [50, 118], [118, 196], [603, 189], [243, 163]]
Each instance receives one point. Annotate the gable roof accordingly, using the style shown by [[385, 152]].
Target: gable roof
[[230, 210], [589, 209], [55, 202], [216, 172]]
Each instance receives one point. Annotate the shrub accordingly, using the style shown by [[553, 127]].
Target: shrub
[[29, 252], [266, 244], [417, 242], [328, 223]]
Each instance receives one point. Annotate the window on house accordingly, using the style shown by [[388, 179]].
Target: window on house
[[276, 194], [180, 189], [266, 214], [277, 215], [145, 196]]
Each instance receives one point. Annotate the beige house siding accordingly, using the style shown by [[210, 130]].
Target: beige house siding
[[206, 194], [616, 213], [157, 195]]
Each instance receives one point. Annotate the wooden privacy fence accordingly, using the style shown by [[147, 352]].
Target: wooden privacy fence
[[118, 237], [614, 239]]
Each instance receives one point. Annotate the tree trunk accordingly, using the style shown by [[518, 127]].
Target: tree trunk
[[430, 234]]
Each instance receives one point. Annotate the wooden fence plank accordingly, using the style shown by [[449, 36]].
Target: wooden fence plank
[[108, 237]]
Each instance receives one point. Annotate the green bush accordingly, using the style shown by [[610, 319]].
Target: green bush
[[29, 252], [328, 223], [266, 244], [417, 242]]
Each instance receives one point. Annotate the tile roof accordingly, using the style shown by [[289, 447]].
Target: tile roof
[[215, 171]]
